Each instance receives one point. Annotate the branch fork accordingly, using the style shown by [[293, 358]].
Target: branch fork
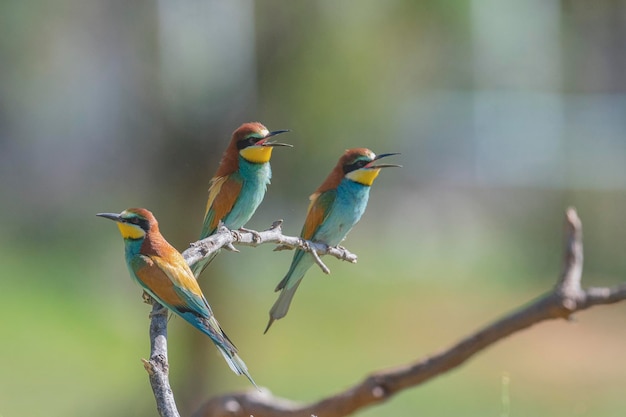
[[227, 239], [566, 298]]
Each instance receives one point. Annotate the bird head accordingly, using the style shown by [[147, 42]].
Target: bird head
[[253, 144], [133, 223], [360, 165]]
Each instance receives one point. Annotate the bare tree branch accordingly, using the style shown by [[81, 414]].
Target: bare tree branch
[[566, 298], [157, 367], [244, 237]]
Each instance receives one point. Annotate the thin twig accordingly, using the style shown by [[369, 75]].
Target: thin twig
[[319, 261], [225, 238], [566, 298]]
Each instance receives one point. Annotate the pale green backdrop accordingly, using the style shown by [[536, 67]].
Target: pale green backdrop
[[505, 112]]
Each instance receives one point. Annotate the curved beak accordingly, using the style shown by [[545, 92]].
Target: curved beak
[[110, 216], [381, 156], [274, 133]]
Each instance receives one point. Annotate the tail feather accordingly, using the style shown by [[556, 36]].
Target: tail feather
[[236, 364], [212, 328], [301, 262], [281, 306]]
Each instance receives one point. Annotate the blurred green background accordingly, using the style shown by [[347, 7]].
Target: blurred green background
[[505, 112]]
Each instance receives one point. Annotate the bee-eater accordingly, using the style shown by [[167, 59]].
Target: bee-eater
[[335, 207], [239, 185], [163, 273]]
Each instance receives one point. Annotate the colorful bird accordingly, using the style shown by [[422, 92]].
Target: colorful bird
[[163, 273], [239, 185], [335, 207]]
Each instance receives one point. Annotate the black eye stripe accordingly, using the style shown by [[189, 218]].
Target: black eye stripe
[[360, 163], [244, 143], [143, 223]]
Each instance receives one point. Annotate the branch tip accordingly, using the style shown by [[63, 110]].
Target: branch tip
[[318, 260], [572, 218], [230, 247], [276, 225], [148, 366], [569, 284]]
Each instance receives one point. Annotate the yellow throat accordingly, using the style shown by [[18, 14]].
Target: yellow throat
[[364, 176], [257, 154], [129, 231]]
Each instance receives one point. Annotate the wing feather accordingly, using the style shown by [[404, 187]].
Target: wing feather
[[319, 209], [172, 283], [223, 193]]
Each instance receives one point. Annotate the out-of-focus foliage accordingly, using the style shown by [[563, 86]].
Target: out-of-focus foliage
[[505, 113]]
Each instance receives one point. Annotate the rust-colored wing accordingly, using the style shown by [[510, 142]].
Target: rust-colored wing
[[223, 193], [172, 283], [318, 211]]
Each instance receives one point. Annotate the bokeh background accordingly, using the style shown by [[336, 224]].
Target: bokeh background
[[506, 113]]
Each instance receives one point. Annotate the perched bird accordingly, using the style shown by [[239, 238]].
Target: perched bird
[[239, 185], [163, 273], [335, 207]]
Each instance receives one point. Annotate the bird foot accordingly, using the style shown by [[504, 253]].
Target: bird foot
[[147, 298], [161, 311], [256, 236]]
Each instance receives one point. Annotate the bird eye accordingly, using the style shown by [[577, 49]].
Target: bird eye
[[355, 165], [245, 142], [134, 220], [360, 163]]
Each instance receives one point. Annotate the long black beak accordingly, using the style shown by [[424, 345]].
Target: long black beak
[[274, 133], [110, 216], [381, 156]]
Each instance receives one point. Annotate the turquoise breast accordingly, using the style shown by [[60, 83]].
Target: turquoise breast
[[255, 178], [348, 207]]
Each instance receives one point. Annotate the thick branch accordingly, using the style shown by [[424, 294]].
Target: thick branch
[[566, 298], [225, 238], [157, 366]]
